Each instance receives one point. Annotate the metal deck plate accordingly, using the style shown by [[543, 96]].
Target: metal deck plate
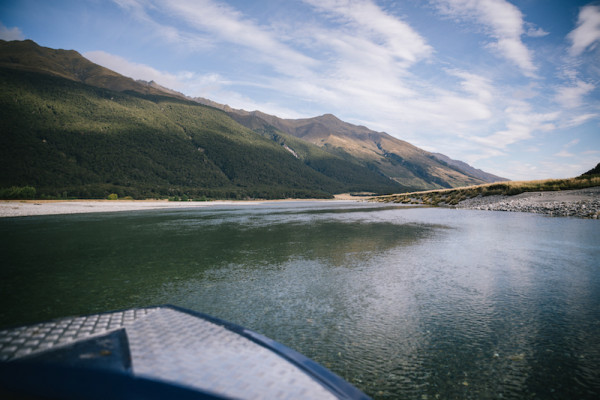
[[169, 345], [27, 340]]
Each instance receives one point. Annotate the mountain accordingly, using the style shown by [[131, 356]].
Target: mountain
[[413, 168], [29, 56], [66, 137], [593, 171], [70, 127], [463, 166]]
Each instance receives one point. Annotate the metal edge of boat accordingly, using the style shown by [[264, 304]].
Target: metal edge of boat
[[157, 352]]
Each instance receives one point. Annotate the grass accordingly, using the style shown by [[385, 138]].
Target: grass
[[454, 196]]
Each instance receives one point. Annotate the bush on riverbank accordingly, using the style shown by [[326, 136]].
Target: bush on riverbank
[[18, 193]]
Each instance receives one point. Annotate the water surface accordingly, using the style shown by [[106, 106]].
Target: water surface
[[415, 303]]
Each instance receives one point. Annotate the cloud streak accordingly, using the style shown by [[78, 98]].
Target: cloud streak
[[521, 124], [587, 33], [397, 37], [380, 89], [572, 96], [502, 21], [228, 25]]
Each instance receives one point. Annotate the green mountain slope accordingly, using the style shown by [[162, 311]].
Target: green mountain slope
[[71, 126], [62, 135]]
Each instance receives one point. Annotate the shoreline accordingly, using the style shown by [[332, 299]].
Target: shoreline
[[580, 203], [26, 208]]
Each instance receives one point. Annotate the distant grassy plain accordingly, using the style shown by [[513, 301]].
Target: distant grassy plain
[[453, 196]]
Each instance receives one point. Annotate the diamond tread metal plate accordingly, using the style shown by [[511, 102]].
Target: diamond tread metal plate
[[181, 348], [173, 346], [27, 340]]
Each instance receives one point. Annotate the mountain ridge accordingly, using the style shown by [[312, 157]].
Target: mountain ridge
[[491, 178], [241, 153], [398, 159], [70, 64], [68, 138]]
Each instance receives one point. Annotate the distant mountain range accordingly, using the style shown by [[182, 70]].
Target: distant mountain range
[[406, 164], [73, 128]]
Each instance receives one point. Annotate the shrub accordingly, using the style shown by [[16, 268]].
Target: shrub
[[16, 192], [112, 196]]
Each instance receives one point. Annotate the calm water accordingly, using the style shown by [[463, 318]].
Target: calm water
[[415, 303]]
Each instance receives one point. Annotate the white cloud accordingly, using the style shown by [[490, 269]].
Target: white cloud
[[396, 36], [145, 10], [211, 86], [226, 24], [572, 143], [572, 96], [521, 125], [528, 92], [532, 31], [474, 84], [563, 168], [135, 70], [503, 21], [581, 119], [10, 33], [587, 33], [191, 83], [564, 153]]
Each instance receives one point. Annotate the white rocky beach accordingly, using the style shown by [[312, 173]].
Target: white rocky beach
[[23, 208], [582, 203]]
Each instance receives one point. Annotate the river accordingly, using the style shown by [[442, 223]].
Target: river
[[411, 303]]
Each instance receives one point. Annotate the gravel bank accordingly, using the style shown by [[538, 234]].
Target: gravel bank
[[582, 203], [22, 208], [27, 208]]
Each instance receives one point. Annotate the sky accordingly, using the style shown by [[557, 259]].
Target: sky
[[511, 87]]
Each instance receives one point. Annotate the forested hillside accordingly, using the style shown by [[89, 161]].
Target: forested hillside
[[68, 139], [72, 128]]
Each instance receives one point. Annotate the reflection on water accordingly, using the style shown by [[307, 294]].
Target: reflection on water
[[403, 302]]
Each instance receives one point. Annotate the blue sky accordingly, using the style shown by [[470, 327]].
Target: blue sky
[[511, 87]]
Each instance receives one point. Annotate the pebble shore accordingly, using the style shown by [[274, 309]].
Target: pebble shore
[[582, 203]]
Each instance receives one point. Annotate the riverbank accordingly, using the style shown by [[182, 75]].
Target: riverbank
[[23, 208], [582, 203], [570, 197]]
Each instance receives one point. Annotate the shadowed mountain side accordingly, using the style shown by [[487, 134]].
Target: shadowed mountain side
[[593, 171]]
